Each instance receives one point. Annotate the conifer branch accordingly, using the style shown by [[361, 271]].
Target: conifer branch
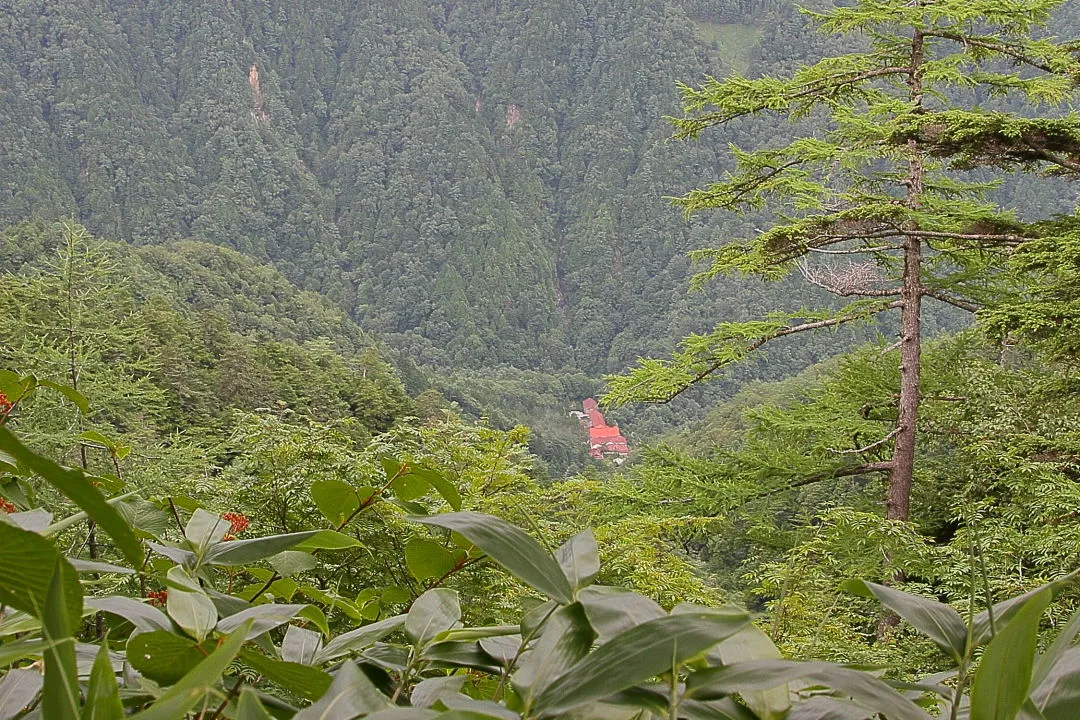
[[1000, 48], [826, 475], [775, 335], [951, 300], [1055, 158], [826, 87], [852, 251], [868, 448]]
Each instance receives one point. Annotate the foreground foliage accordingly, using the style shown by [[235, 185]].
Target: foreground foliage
[[209, 646]]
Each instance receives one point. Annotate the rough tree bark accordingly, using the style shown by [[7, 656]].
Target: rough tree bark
[[902, 468]]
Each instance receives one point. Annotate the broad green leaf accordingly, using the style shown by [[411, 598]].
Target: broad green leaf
[[428, 692], [189, 606], [74, 396], [503, 648], [15, 651], [1057, 696], [145, 617], [71, 520], [579, 559], [16, 622], [1062, 643], [522, 556], [328, 540], [242, 552], [460, 655], [250, 707], [392, 468], [36, 520], [305, 681], [476, 633], [300, 645], [292, 562], [613, 610], [337, 500], [716, 683], [178, 700], [1003, 679], [346, 606], [725, 709], [358, 639], [408, 487], [637, 654], [205, 529], [165, 657], [463, 707], [827, 708], [316, 617], [264, 618], [404, 713], [565, 640], [442, 485], [432, 613], [1003, 611], [179, 556], [18, 688], [937, 621], [750, 643], [350, 695], [60, 694], [102, 692], [27, 564], [74, 485], [93, 436], [427, 559], [145, 516], [89, 566]]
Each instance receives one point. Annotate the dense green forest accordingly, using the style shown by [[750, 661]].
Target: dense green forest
[[295, 299], [480, 183]]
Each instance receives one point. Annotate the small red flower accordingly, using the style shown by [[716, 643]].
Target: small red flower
[[158, 597], [7, 507], [5, 404], [238, 522]]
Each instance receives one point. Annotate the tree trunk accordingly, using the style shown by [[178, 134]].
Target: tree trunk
[[901, 474], [898, 496]]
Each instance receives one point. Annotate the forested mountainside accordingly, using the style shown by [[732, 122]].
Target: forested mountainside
[[205, 332], [178, 338], [259, 443], [479, 182]]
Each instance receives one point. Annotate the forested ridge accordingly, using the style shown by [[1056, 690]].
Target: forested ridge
[[480, 183], [295, 299]]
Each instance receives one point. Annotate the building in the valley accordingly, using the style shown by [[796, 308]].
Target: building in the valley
[[605, 441]]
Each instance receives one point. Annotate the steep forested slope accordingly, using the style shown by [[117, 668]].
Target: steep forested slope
[[177, 338], [480, 181]]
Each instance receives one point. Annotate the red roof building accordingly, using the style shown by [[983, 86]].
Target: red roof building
[[605, 441]]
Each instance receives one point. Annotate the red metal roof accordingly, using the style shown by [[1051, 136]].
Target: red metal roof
[[603, 438]]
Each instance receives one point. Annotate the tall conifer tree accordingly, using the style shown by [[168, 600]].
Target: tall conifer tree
[[875, 207]]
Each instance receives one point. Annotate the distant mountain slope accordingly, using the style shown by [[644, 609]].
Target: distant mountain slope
[[479, 181], [200, 331]]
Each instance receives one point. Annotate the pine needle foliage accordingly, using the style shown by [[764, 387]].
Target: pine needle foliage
[[884, 187]]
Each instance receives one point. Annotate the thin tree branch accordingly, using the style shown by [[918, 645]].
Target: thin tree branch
[[830, 84], [827, 475], [853, 251], [783, 332], [950, 300], [993, 46], [868, 448]]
